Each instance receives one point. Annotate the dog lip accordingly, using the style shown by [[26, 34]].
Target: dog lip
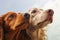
[[21, 24], [39, 23], [48, 19]]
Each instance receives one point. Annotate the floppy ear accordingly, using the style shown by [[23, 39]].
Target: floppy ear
[[1, 29]]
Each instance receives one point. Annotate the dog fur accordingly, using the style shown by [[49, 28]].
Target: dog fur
[[12, 26], [39, 19]]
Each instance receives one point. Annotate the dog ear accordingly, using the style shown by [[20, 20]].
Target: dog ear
[[1, 29]]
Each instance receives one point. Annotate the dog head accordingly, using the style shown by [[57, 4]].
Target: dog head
[[39, 18], [13, 20], [11, 25]]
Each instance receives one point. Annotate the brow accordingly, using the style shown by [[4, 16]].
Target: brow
[[41, 9]]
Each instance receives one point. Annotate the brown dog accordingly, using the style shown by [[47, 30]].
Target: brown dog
[[1, 29], [39, 19], [12, 25]]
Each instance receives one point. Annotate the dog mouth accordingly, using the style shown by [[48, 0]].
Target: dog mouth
[[48, 19], [21, 25]]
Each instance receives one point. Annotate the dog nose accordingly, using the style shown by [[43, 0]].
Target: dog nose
[[26, 15], [51, 12]]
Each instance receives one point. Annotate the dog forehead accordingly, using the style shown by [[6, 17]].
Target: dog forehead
[[5, 16], [19, 13], [10, 13], [36, 9], [32, 9]]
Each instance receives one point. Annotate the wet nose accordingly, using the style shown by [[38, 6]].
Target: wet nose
[[26, 15], [51, 12]]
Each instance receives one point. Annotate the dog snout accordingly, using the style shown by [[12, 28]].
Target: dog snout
[[26, 15], [51, 12]]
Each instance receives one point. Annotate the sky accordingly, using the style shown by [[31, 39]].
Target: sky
[[18, 5], [53, 30]]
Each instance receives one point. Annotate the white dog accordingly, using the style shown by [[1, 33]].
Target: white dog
[[39, 18]]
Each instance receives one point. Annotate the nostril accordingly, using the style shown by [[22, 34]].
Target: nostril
[[51, 12], [26, 15]]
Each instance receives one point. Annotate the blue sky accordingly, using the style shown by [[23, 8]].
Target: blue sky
[[18, 5], [53, 31]]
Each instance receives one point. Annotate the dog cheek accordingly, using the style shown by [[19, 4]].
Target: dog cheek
[[11, 24], [30, 20], [6, 23]]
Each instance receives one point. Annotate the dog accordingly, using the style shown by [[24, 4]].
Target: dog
[[1, 30], [38, 20], [12, 26]]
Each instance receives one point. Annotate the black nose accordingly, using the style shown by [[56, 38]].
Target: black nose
[[26, 15], [51, 12]]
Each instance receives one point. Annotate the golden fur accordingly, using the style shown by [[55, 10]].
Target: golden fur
[[39, 18]]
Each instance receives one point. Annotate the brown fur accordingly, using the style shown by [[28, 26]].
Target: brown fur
[[13, 27]]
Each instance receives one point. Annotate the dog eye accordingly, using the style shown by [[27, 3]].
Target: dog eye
[[34, 11], [11, 17]]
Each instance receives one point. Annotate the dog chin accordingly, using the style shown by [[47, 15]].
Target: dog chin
[[42, 24], [45, 22]]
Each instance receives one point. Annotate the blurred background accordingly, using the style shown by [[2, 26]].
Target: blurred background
[[53, 31]]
